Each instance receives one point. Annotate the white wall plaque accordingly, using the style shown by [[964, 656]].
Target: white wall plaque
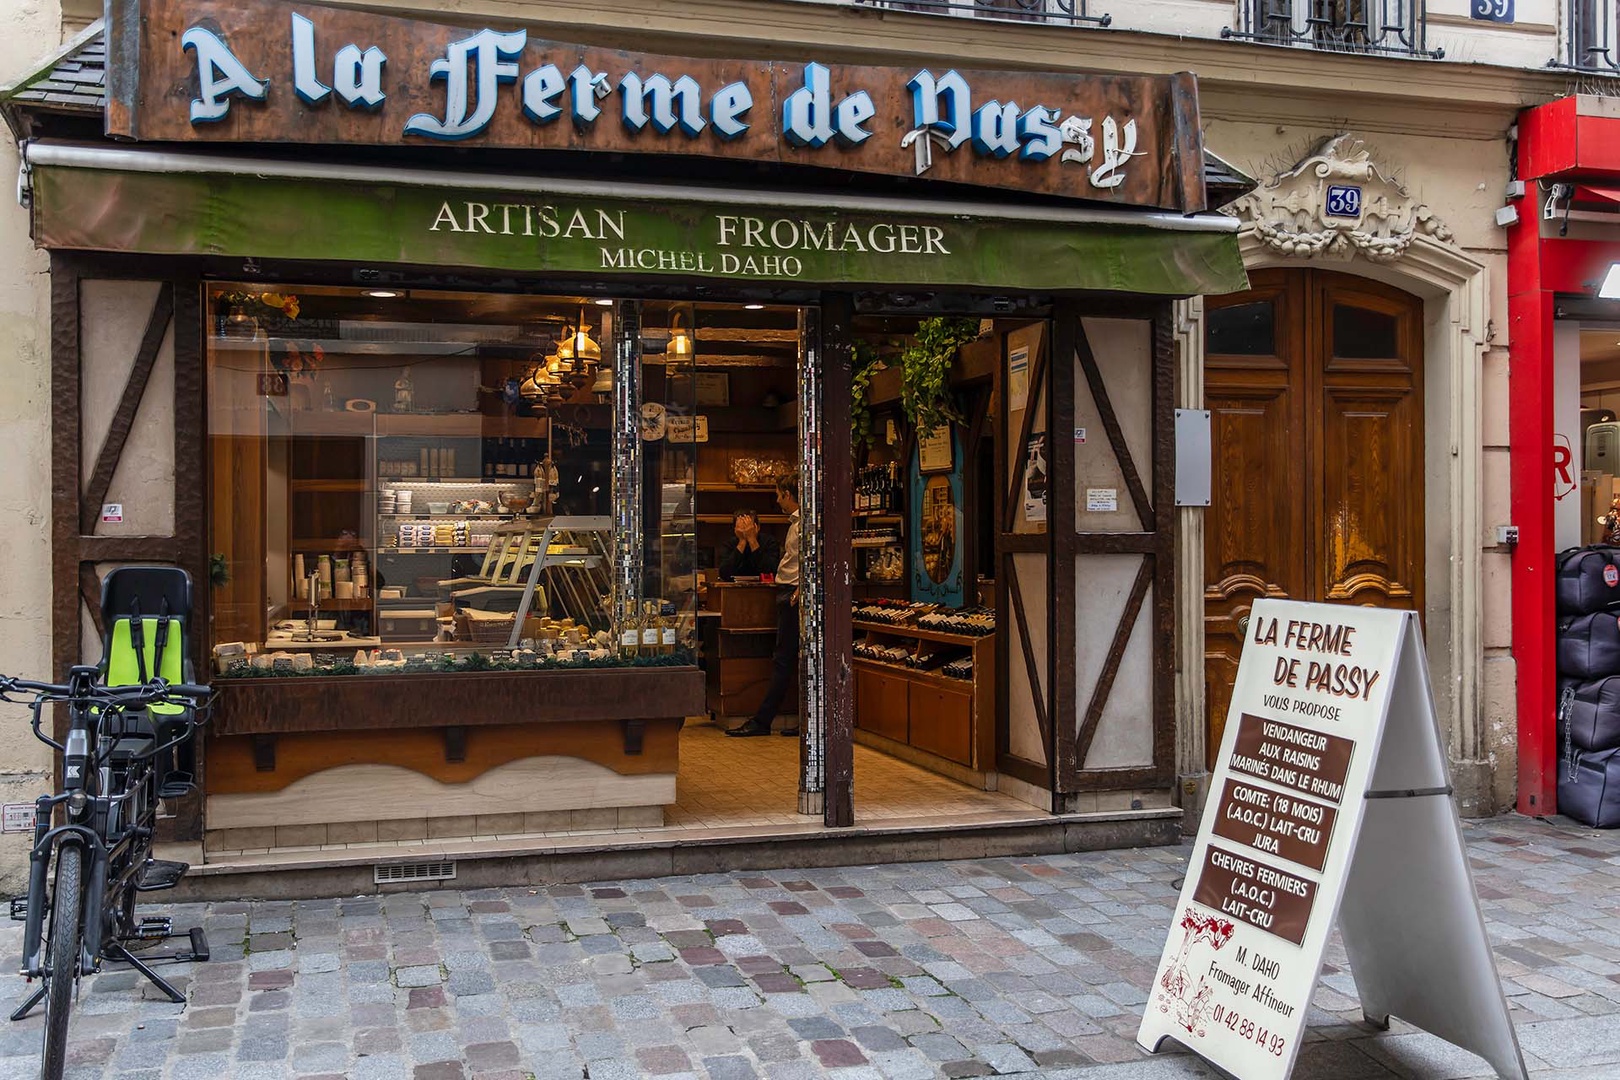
[[18, 817], [1330, 798], [1102, 500], [112, 512]]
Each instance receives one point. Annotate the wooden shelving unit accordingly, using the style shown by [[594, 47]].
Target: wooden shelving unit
[[926, 717]]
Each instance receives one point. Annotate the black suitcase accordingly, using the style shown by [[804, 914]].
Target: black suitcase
[[1588, 579], [1589, 789], [1589, 646], [1589, 713]]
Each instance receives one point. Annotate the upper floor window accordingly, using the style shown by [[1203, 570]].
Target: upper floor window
[[1590, 32], [1364, 26], [1071, 12]]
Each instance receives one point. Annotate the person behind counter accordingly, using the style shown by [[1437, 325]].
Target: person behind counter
[[753, 554], [785, 661]]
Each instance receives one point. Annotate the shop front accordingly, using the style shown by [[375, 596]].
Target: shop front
[[486, 451], [1564, 303]]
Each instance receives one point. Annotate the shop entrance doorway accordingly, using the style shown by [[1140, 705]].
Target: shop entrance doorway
[[1315, 383]]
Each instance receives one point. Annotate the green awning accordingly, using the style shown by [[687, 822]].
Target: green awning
[[169, 204]]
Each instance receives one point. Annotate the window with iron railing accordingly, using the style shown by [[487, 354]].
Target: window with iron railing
[[1067, 12], [1590, 30], [1397, 27]]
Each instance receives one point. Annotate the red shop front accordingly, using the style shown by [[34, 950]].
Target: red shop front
[[1564, 384]]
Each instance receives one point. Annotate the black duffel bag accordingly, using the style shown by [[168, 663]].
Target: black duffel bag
[[1589, 713], [1588, 579], [1589, 789], [1589, 646]]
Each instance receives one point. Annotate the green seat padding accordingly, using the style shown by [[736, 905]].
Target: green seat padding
[[123, 667]]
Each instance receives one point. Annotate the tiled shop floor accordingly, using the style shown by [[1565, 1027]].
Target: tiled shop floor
[[725, 781], [1030, 967], [729, 785]]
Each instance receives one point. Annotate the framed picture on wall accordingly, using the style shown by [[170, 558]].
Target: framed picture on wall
[[937, 535], [712, 388], [934, 451]]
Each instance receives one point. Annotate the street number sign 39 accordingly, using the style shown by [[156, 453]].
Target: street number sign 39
[[1496, 11]]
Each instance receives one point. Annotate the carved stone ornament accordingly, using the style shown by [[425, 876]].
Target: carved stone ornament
[[1336, 204]]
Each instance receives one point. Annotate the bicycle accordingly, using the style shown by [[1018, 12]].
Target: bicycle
[[129, 718]]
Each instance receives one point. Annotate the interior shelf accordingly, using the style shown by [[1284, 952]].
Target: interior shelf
[[357, 603], [909, 631], [347, 486]]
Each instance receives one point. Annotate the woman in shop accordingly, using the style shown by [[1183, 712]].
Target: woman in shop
[[753, 554], [785, 661]]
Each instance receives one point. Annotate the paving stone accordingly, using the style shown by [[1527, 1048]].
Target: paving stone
[[1032, 967]]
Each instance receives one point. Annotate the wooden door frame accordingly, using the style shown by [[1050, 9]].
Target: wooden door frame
[[1152, 493], [75, 504], [1010, 608]]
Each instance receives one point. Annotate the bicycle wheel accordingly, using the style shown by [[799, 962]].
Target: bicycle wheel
[[62, 957]]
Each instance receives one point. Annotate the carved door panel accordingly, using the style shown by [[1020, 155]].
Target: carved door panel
[[1314, 382]]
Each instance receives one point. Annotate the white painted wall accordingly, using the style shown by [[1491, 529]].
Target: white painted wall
[[33, 31], [1529, 42]]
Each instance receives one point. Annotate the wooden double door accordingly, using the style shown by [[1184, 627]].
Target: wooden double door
[[1314, 380]]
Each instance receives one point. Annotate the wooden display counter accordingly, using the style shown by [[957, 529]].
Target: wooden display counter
[[739, 638], [934, 720], [457, 753]]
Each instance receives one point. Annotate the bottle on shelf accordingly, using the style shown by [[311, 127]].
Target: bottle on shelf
[[630, 635], [651, 632], [668, 620]]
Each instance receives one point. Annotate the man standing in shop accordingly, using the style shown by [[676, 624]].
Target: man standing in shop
[[785, 662]]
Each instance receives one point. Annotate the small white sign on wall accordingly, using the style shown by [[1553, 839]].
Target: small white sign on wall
[[19, 817], [1102, 500], [112, 512]]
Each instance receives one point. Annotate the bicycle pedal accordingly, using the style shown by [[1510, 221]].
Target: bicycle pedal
[[177, 786], [160, 874], [154, 928], [19, 908]]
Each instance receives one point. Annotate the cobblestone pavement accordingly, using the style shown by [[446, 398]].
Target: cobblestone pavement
[[1034, 967]]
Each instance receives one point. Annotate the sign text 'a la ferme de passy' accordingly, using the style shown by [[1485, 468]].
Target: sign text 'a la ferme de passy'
[[270, 71]]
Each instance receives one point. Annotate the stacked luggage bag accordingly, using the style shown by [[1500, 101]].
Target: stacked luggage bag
[[1589, 685]]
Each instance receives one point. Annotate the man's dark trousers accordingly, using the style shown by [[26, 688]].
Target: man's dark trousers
[[784, 662]]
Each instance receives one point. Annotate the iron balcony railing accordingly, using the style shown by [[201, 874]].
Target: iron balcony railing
[[1591, 27], [1398, 27], [1063, 12]]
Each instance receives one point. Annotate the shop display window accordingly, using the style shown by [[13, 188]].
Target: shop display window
[[409, 480]]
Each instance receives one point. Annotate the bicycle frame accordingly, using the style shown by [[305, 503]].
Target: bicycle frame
[[83, 773]]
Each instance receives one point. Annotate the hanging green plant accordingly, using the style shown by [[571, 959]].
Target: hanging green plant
[[925, 376], [866, 363]]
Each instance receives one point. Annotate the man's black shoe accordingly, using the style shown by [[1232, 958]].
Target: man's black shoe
[[747, 731]]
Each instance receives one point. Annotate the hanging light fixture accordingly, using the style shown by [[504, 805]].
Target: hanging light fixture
[[581, 347], [603, 386], [680, 342]]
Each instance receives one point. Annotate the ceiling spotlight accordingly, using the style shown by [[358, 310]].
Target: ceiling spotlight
[[604, 302], [382, 294]]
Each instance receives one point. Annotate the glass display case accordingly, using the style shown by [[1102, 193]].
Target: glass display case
[[414, 477]]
